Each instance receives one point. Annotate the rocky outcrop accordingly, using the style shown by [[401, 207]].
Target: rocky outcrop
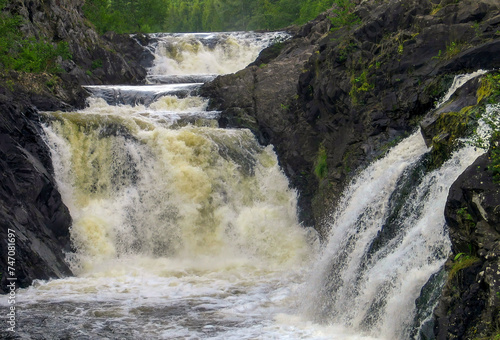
[[31, 206], [263, 98], [352, 92], [94, 60], [470, 304]]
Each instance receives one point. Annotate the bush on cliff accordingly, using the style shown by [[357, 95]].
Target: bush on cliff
[[26, 55]]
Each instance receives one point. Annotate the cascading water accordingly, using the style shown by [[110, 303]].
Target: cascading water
[[200, 57], [180, 229], [388, 237], [183, 230]]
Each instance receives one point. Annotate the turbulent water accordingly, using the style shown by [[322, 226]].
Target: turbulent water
[[183, 230], [388, 237]]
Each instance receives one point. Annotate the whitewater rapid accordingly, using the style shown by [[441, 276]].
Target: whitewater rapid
[[183, 230]]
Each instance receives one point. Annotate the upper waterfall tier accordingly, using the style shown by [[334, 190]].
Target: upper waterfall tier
[[198, 57]]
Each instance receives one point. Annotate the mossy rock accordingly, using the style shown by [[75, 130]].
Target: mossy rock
[[451, 127]]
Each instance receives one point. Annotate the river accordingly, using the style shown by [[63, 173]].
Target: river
[[184, 230]]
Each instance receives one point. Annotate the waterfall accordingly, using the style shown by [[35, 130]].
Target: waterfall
[[200, 57], [180, 229], [184, 230], [140, 180], [387, 237]]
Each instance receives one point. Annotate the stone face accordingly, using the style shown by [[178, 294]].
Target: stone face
[[470, 306], [30, 204]]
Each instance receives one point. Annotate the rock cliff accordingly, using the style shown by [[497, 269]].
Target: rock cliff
[[470, 304], [32, 208]]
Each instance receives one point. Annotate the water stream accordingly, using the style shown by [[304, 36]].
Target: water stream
[[183, 230]]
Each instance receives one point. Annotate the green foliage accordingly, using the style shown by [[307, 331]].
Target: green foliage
[[123, 16], [359, 85], [27, 55], [460, 262], [199, 15], [490, 92], [321, 168], [343, 15], [464, 214], [96, 64], [436, 8], [438, 56], [451, 126], [453, 48], [345, 49]]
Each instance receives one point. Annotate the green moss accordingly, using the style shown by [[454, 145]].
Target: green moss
[[460, 264], [451, 126], [454, 48], [489, 92], [400, 49], [345, 48], [435, 9], [484, 91], [96, 64], [490, 88], [321, 166]]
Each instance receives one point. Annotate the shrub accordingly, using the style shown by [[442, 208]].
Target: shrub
[[343, 15], [321, 168], [27, 55]]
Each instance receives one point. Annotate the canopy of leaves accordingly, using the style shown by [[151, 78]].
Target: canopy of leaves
[[147, 16]]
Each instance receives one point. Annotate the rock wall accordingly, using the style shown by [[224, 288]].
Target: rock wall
[[112, 60], [470, 304], [30, 204]]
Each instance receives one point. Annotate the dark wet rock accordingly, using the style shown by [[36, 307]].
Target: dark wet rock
[[31, 206], [470, 306], [442, 127]]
